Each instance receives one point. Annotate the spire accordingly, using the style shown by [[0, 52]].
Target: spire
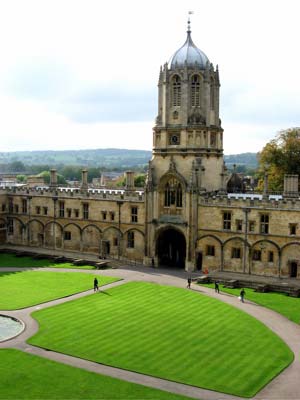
[[189, 22]]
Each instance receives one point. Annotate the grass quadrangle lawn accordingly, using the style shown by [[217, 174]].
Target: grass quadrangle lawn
[[8, 260], [167, 332], [27, 288], [28, 377], [279, 302]]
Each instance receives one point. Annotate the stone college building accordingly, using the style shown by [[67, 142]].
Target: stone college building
[[186, 216]]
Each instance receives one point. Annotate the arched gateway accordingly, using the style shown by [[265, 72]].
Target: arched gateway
[[171, 248]]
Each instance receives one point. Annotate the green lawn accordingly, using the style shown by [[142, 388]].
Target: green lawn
[[25, 376], [10, 260], [172, 333], [279, 302], [27, 288]]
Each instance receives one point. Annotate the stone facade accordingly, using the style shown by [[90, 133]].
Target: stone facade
[[183, 217]]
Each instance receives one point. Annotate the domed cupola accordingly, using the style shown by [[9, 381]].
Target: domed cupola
[[188, 55]]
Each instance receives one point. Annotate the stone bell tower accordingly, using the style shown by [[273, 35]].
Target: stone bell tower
[[187, 157]]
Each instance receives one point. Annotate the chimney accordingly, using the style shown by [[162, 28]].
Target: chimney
[[53, 178], [290, 186], [84, 179], [129, 184]]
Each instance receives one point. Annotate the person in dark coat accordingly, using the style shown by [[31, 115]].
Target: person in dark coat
[[242, 295], [96, 288], [189, 281], [217, 289]]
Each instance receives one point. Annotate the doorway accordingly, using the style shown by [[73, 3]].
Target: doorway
[[293, 269], [171, 248]]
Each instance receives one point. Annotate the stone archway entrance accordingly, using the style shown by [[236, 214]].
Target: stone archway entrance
[[171, 248]]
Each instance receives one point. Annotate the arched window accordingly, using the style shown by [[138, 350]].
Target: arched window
[[176, 91], [173, 193], [195, 91], [212, 94]]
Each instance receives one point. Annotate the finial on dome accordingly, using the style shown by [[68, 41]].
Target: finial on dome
[[189, 21]]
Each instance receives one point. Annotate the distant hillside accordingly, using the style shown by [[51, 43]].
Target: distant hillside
[[108, 158], [248, 160]]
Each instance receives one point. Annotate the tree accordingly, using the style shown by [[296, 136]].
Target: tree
[[46, 175], [281, 156]]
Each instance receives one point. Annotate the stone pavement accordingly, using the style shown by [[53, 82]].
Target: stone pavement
[[285, 386]]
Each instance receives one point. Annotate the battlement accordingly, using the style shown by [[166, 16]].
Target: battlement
[[76, 193], [250, 201]]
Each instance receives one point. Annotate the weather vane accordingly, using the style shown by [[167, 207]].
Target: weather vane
[[189, 20]]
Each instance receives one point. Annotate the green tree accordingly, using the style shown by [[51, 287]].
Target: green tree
[[46, 175], [279, 157]]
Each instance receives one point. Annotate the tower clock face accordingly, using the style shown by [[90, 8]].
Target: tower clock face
[[174, 139]]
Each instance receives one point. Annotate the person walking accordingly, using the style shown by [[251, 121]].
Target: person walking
[[242, 295], [217, 289], [96, 288], [189, 281]]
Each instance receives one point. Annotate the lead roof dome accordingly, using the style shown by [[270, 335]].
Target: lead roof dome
[[188, 54]]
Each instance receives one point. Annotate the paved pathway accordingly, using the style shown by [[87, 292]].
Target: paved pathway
[[285, 386]]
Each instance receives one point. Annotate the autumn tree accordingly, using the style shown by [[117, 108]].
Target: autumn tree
[[280, 156]]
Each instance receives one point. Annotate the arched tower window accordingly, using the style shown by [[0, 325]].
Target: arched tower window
[[173, 193], [176, 91], [195, 91], [212, 94]]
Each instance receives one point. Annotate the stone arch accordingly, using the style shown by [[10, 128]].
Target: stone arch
[[265, 258], [290, 260], [233, 254], [170, 247], [112, 237], [72, 237], [35, 232], [19, 231], [210, 248], [91, 237], [53, 235], [133, 244]]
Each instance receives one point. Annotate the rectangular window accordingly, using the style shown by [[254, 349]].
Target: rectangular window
[[10, 226], [61, 209], [76, 211], [235, 252], [45, 210], [256, 256], [24, 206], [271, 256], [115, 241], [264, 223], [69, 212], [239, 225], [134, 214], [251, 226], [104, 215], [3, 207], [16, 208], [38, 209], [293, 229], [210, 250], [85, 211], [227, 220], [67, 235], [130, 240], [112, 216]]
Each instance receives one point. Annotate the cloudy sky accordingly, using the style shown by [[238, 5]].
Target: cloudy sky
[[83, 73]]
